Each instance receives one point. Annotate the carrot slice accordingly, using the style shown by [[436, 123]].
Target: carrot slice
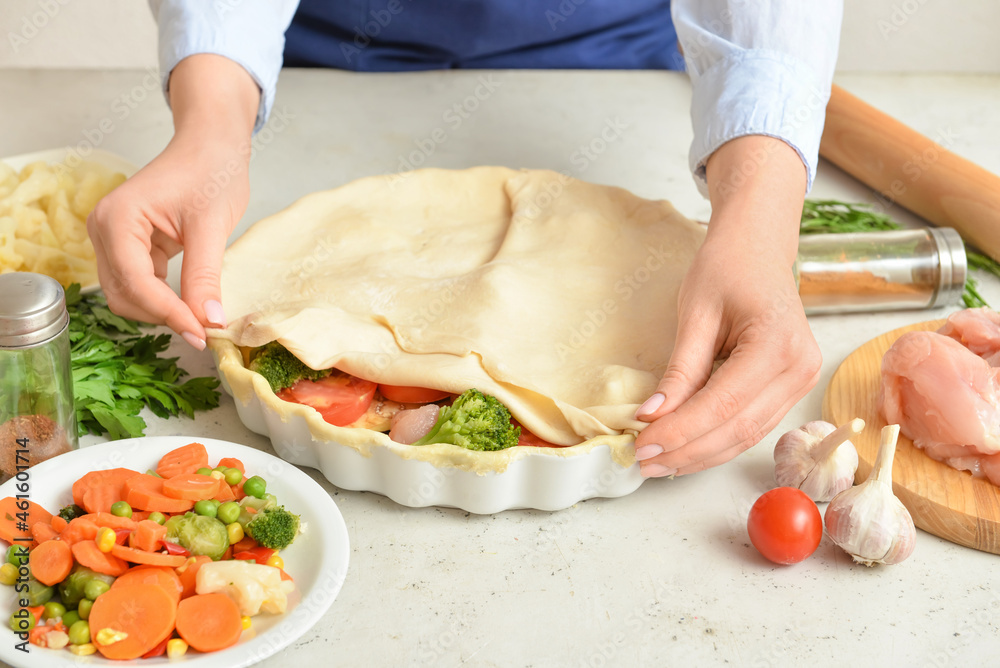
[[232, 463], [51, 562], [16, 520], [189, 574], [225, 493], [151, 558], [191, 486], [110, 478], [185, 459], [79, 529], [146, 493], [87, 554], [112, 521], [58, 523], [147, 535], [154, 575], [144, 612], [42, 532], [209, 622], [246, 543]]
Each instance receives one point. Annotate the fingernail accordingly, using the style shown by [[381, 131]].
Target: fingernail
[[648, 451], [214, 312], [656, 471], [196, 343], [650, 405]]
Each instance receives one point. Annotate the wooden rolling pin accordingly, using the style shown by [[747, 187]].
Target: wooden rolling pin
[[910, 169]]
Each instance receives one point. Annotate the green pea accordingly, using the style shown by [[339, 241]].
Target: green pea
[[233, 476], [70, 618], [157, 517], [204, 470], [17, 555], [255, 486], [84, 609], [54, 609], [228, 512], [121, 509], [22, 621], [207, 507], [95, 588], [79, 633], [221, 468]]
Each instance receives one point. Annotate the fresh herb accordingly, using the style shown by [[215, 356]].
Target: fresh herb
[[835, 217], [117, 371]]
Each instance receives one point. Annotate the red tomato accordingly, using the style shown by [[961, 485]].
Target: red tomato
[[785, 525], [412, 395], [340, 399], [528, 438]]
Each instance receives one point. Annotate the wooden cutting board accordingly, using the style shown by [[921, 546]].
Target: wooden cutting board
[[943, 501]]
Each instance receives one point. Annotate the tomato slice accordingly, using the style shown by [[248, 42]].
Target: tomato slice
[[527, 438], [412, 395], [340, 399]]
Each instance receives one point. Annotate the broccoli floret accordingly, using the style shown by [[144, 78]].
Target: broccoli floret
[[281, 368], [475, 421], [71, 512], [274, 527]]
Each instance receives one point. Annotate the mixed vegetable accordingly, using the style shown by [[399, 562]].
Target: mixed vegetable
[[146, 564], [472, 420]]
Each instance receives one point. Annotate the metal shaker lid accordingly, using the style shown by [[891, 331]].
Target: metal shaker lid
[[32, 309], [953, 266]]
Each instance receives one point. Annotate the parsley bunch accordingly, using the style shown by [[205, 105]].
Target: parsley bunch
[[117, 371]]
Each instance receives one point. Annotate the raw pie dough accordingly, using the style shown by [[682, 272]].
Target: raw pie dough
[[555, 295]]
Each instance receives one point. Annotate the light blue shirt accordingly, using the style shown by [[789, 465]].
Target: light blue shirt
[[757, 67]]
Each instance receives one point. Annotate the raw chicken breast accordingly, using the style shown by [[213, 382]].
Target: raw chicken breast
[[946, 399], [978, 329], [410, 426]]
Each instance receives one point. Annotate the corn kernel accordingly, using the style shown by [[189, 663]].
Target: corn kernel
[[85, 649], [218, 475], [109, 636], [105, 539], [247, 622], [176, 647], [276, 561], [8, 574], [235, 531]]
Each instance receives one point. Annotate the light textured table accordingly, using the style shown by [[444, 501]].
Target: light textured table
[[665, 576]]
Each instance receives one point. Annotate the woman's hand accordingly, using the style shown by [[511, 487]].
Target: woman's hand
[[189, 197], [738, 303]]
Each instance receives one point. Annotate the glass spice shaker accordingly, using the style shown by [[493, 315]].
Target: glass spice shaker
[[37, 416], [880, 271]]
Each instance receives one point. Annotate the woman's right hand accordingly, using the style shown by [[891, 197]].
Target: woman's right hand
[[188, 198]]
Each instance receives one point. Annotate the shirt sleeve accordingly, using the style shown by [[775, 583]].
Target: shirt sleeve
[[758, 69], [251, 34]]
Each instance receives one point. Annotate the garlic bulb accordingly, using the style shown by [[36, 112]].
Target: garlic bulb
[[868, 521], [818, 458]]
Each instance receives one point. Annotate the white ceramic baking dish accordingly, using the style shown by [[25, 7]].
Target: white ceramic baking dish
[[433, 475]]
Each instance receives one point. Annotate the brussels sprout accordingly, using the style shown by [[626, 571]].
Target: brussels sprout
[[71, 590], [199, 534], [37, 593]]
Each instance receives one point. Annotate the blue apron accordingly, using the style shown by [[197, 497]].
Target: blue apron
[[407, 35]]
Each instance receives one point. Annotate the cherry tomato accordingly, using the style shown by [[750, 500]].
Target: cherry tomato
[[341, 398], [785, 525], [528, 438], [412, 395]]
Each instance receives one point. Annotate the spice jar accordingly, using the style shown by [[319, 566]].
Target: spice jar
[[880, 271], [37, 417]]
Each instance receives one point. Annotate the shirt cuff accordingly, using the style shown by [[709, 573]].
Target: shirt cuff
[[757, 92], [186, 30]]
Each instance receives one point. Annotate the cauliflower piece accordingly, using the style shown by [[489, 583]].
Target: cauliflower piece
[[253, 587]]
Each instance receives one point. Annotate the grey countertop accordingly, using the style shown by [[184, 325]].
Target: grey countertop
[[665, 576]]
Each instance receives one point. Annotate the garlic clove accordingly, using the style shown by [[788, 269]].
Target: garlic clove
[[818, 458], [868, 521]]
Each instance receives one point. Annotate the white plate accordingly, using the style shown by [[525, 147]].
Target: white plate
[[317, 560], [106, 158]]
